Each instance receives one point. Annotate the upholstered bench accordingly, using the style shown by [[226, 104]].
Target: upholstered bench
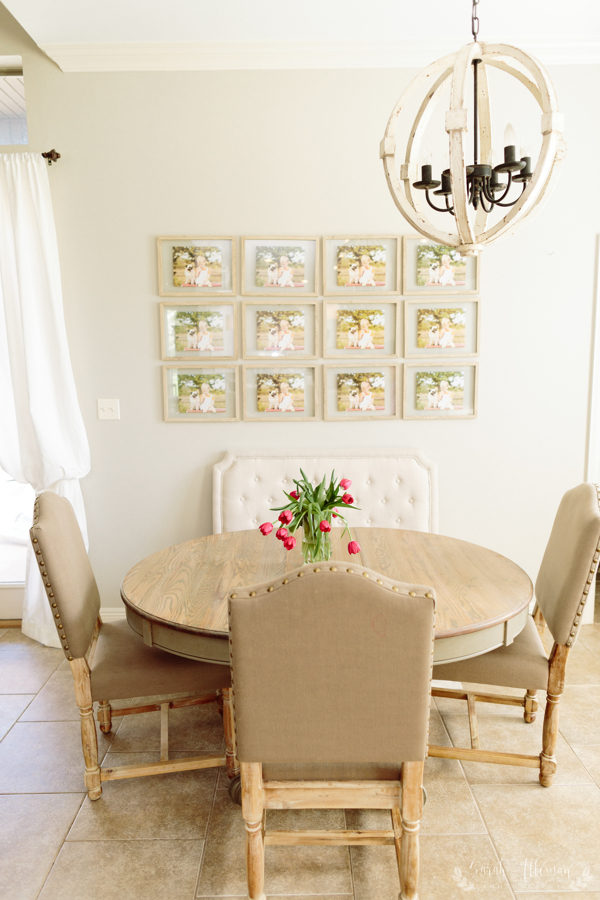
[[393, 488]]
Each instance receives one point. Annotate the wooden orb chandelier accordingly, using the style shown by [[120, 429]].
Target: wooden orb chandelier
[[468, 192]]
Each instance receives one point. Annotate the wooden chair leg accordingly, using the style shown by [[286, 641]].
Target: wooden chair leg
[[253, 813], [530, 706], [105, 716], [89, 743], [549, 737], [412, 810], [231, 760]]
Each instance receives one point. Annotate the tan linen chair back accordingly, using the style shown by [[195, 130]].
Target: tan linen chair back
[[570, 562], [332, 664], [66, 572]]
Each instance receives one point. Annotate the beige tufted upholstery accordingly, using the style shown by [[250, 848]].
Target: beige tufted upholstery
[[394, 488]]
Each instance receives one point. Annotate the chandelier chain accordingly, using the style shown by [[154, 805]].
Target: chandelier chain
[[475, 20]]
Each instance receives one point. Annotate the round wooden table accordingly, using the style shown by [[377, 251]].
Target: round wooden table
[[176, 598]]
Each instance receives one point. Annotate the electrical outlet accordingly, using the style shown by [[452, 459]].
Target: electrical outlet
[[109, 409]]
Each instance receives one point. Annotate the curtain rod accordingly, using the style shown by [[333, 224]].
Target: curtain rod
[[51, 156]]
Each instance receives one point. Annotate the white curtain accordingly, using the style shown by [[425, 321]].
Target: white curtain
[[42, 435]]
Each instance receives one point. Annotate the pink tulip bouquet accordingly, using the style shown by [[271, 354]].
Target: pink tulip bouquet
[[312, 509]]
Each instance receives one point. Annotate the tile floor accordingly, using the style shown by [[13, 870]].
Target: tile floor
[[487, 832]]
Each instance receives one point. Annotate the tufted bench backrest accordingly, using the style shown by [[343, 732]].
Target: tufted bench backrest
[[394, 488]]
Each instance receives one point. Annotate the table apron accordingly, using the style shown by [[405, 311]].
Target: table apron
[[215, 648]]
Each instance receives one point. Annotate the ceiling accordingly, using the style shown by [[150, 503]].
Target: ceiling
[[122, 35]]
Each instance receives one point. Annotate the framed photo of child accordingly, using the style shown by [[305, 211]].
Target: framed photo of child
[[431, 268], [360, 328], [284, 267], [280, 330], [441, 328], [361, 392], [200, 393], [360, 265], [280, 393], [196, 266], [196, 331], [447, 390]]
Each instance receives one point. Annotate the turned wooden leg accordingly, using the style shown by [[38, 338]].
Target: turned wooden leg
[[105, 716], [549, 737], [89, 743], [253, 812], [231, 760], [412, 810], [530, 706]]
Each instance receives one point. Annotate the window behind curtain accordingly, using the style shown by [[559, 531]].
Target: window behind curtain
[[13, 115]]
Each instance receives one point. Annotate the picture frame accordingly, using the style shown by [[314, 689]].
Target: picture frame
[[429, 267], [280, 267], [280, 330], [440, 390], [193, 331], [361, 391], [360, 328], [361, 265], [198, 393], [192, 266], [277, 393], [441, 328]]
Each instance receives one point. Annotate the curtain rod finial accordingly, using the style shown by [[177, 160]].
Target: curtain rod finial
[[51, 156]]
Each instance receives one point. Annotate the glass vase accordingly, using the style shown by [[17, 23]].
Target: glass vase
[[316, 546]]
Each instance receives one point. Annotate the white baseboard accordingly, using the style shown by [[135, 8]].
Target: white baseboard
[[112, 613]]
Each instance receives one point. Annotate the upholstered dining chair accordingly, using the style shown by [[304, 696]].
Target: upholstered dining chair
[[110, 662], [564, 580], [331, 668]]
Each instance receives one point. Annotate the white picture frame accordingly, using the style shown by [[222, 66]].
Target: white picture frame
[[361, 264], [281, 329], [441, 328], [185, 398], [431, 268], [281, 393], [195, 331], [429, 384], [193, 266], [360, 328], [361, 391], [280, 266]]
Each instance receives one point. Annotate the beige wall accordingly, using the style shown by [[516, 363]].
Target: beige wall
[[296, 153]]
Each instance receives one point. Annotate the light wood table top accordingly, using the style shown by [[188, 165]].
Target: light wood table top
[[176, 599]]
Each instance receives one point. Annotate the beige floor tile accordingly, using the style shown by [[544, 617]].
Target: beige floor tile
[[56, 700], [287, 869], [11, 707], [25, 665], [284, 896], [32, 829], [450, 807], [451, 867], [589, 754], [167, 807], [136, 870], [579, 719], [569, 895], [513, 735], [198, 728], [43, 757], [544, 836]]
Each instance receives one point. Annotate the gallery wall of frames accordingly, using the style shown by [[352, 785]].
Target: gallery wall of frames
[[340, 327]]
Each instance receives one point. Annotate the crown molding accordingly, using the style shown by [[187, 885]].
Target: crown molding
[[178, 57]]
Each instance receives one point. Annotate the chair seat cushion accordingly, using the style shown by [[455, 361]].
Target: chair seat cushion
[[523, 664], [123, 666], [330, 772]]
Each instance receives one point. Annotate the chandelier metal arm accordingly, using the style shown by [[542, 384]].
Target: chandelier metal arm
[[437, 208], [512, 203]]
